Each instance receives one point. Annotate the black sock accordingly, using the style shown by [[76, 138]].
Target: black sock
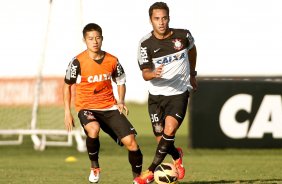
[[135, 159], [164, 145], [174, 153], [93, 147]]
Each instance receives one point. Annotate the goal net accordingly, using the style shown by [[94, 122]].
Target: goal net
[[32, 104], [44, 122]]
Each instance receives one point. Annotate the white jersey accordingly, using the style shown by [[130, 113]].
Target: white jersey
[[171, 52]]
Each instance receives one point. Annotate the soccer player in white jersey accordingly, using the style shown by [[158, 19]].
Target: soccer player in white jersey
[[167, 58]]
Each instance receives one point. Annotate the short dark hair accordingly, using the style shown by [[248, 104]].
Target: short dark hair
[[158, 5], [91, 27]]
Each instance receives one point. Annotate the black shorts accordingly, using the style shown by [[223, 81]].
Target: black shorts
[[111, 122], [160, 107]]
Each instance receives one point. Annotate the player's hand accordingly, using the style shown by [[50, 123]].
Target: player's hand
[[69, 122], [194, 83], [121, 107], [158, 71]]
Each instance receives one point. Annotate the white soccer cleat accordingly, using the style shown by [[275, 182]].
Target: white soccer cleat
[[94, 175]]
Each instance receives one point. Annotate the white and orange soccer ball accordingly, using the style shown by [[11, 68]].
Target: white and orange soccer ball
[[165, 173]]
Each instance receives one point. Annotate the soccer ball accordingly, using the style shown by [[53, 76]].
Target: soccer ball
[[165, 173]]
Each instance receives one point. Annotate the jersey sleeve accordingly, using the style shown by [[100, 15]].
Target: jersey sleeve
[[119, 75], [73, 72], [144, 56], [190, 40]]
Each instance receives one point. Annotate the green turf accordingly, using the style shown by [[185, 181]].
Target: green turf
[[22, 165]]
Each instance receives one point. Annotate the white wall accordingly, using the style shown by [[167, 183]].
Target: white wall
[[233, 37]]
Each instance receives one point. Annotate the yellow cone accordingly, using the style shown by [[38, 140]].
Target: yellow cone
[[70, 159]]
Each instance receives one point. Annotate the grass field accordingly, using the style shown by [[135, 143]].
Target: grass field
[[22, 165]]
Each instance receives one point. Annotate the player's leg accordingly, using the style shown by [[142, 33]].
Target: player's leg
[[156, 107], [171, 126], [167, 114], [135, 156], [176, 153], [166, 142], [173, 151], [91, 128], [123, 129], [164, 145], [156, 114], [92, 142], [110, 132], [175, 111]]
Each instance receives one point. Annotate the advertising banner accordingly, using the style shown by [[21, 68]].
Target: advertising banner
[[22, 91], [236, 113]]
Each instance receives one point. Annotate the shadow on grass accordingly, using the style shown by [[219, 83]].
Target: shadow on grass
[[267, 181]]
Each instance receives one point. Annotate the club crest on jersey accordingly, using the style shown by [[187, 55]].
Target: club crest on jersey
[[177, 44]]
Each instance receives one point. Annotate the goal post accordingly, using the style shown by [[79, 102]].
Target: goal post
[[33, 106], [38, 84]]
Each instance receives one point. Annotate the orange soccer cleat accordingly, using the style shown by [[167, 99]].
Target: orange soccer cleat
[[145, 178], [179, 165]]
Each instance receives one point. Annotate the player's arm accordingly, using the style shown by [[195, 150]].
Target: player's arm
[[72, 74], [149, 74], [121, 95], [192, 54], [69, 123], [119, 78]]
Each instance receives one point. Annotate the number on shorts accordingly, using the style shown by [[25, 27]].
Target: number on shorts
[[154, 118]]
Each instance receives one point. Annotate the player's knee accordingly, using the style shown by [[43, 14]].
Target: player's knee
[[92, 129], [170, 130], [93, 132], [130, 142]]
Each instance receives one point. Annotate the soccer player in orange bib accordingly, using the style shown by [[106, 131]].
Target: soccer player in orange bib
[[92, 72]]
